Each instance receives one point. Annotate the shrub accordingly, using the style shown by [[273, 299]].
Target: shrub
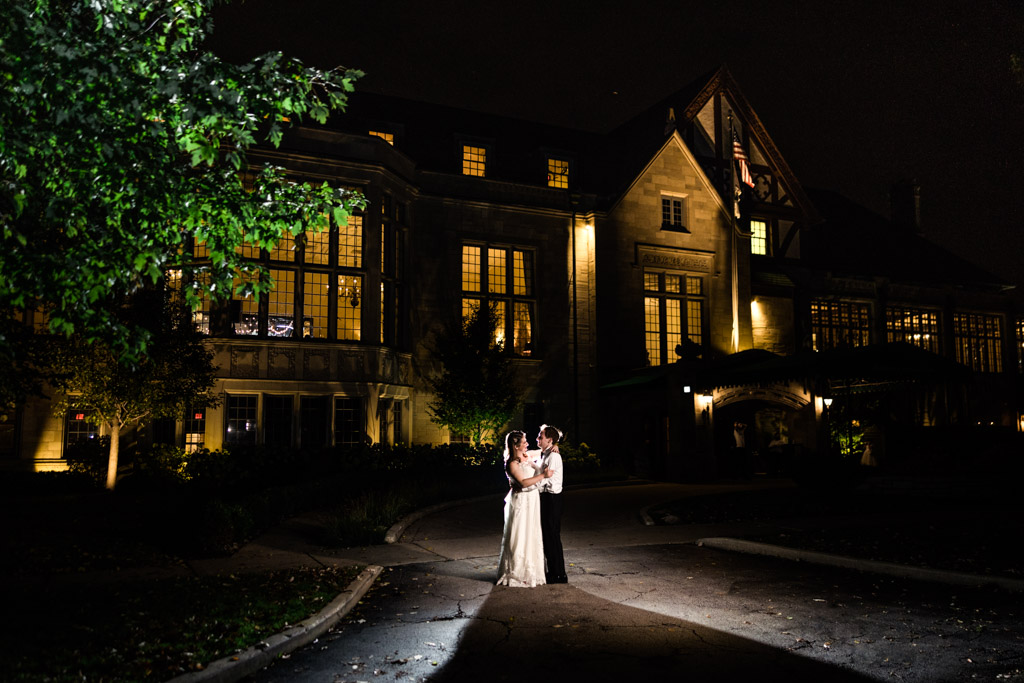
[[366, 518], [90, 457], [162, 464], [580, 458], [222, 525]]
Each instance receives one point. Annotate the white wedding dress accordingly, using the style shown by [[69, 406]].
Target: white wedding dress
[[522, 549]]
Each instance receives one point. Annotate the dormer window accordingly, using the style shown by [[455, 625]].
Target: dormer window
[[386, 137], [758, 237], [673, 212], [474, 160], [558, 173]]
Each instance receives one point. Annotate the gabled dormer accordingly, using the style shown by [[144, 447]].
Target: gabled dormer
[[712, 115], [724, 133]]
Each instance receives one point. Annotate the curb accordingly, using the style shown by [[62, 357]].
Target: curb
[[251, 660], [875, 566], [399, 527]]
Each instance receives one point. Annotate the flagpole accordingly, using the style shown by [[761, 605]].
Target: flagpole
[[734, 242]]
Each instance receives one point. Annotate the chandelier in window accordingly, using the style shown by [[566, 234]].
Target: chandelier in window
[[349, 289]]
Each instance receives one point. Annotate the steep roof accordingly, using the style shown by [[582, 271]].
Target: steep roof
[[647, 131], [603, 164], [853, 240]]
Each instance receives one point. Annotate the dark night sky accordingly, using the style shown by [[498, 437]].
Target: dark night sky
[[857, 95]]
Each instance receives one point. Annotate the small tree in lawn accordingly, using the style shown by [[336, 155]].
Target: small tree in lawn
[[176, 372], [476, 392]]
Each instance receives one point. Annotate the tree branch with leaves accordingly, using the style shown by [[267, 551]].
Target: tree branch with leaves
[[123, 142]]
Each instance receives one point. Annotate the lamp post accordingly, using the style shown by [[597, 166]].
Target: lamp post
[[827, 403]]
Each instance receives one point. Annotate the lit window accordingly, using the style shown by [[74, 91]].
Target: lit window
[[978, 339], [506, 275], [281, 304], [349, 307], [244, 312], [386, 137], [558, 173], [470, 269], [315, 298], [474, 160], [319, 283], [201, 315], [284, 250], [913, 326], [666, 329], [839, 324], [350, 243], [246, 249], [195, 429], [78, 427], [673, 212], [496, 271], [758, 237], [241, 420], [318, 247]]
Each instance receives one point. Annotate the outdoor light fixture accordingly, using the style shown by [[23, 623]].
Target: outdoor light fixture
[[827, 402]]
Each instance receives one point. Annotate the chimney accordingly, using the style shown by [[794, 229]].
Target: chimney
[[905, 203]]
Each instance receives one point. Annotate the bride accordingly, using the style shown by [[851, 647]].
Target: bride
[[522, 549]]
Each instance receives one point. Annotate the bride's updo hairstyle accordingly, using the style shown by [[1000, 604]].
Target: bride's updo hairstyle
[[512, 439]]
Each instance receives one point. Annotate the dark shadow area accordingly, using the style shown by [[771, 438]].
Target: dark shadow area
[[517, 635]]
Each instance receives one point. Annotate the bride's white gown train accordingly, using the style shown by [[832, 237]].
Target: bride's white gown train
[[522, 549]]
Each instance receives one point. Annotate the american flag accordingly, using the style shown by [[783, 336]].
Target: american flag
[[741, 158]]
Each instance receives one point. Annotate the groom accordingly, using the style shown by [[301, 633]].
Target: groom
[[551, 504]]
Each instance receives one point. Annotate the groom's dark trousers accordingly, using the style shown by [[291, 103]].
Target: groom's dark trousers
[[551, 533]]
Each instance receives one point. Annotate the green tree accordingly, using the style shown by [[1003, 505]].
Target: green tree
[[476, 392], [122, 142], [176, 372]]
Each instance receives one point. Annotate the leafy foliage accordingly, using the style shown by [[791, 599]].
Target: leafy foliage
[[122, 142], [476, 393]]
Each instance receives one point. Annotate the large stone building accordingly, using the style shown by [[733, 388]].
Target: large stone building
[[658, 285]]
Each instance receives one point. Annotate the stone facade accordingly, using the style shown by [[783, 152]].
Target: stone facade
[[649, 210]]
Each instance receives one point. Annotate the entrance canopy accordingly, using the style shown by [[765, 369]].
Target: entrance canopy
[[868, 367], [873, 365]]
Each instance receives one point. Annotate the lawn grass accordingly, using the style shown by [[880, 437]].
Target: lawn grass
[[152, 630]]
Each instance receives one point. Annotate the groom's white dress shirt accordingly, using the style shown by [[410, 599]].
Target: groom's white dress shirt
[[552, 484]]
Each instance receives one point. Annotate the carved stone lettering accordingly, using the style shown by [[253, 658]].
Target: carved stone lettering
[[692, 262]]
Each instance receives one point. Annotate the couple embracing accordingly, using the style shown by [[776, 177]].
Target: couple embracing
[[531, 544]]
